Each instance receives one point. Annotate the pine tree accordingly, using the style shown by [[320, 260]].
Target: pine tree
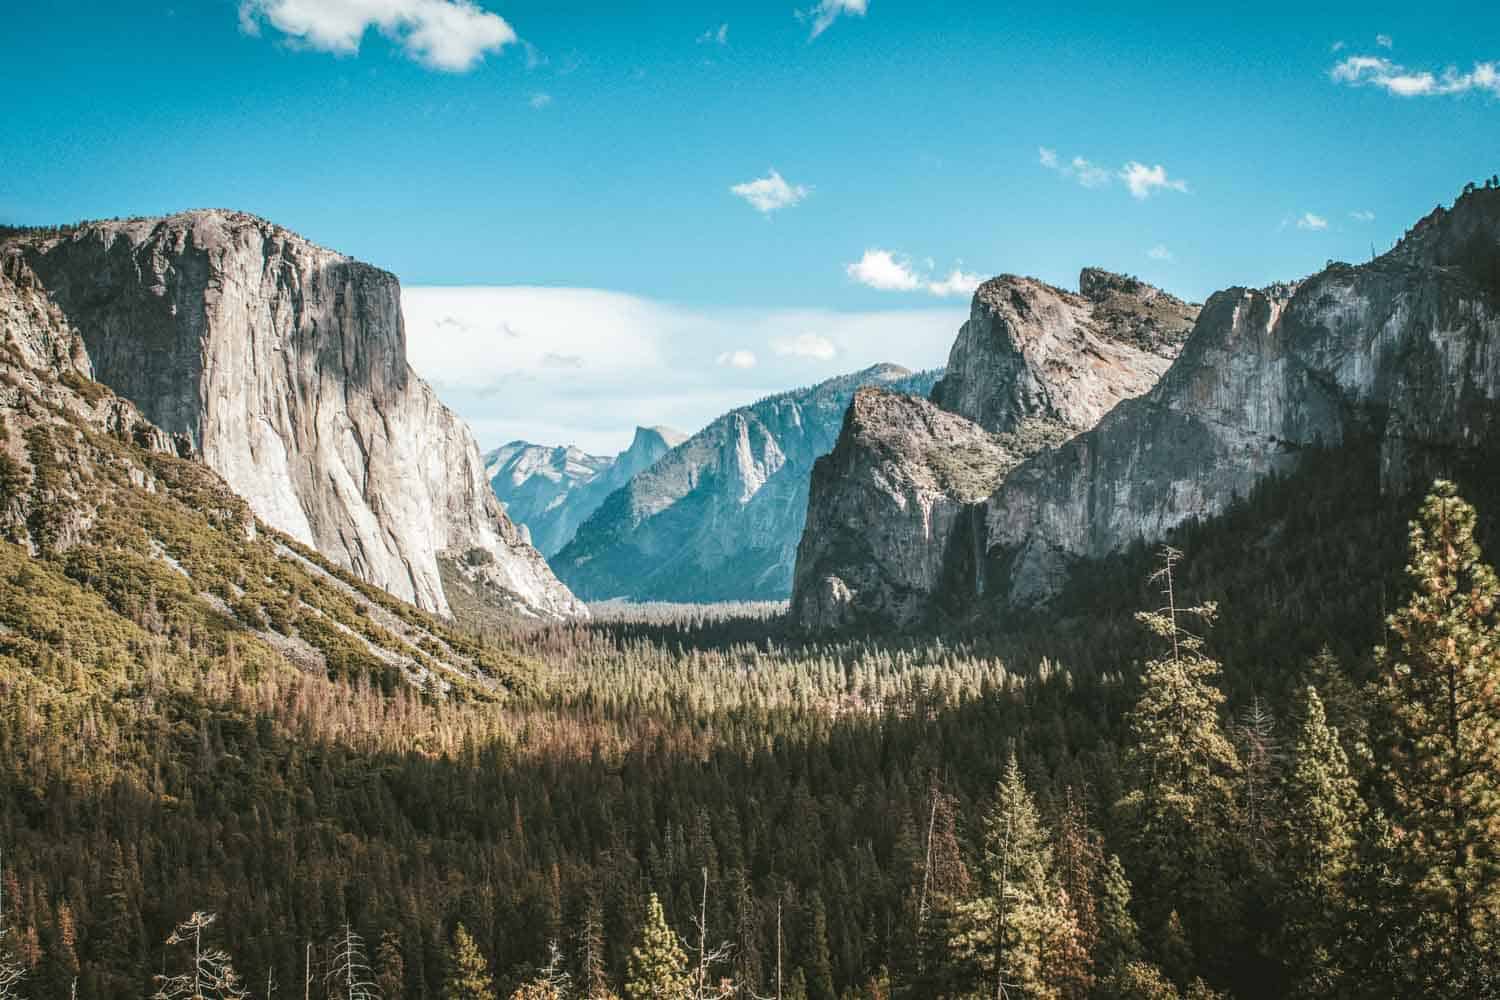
[[1179, 810], [1321, 836], [1015, 921], [658, 967], [391, 964], [1441, 688], [468, 972]]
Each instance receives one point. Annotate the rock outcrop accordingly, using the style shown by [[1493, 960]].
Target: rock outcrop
[[1402, 353], [719, 516], [888, 508], [549, 492], [282, 365], [892, 524]]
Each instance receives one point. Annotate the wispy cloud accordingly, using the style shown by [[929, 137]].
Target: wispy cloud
[[1311, 222], [504, 357], [1141, 180], [826, 12], [805, 345], [449, 35], [715, 36], [1160, 252], [737, 359], [1384, 41], [539, 100], [770, 193], [1393, 78], [888, 271], [1362, 216]]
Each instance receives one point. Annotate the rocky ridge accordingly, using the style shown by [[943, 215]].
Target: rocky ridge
[[282, 366], [890, 524]]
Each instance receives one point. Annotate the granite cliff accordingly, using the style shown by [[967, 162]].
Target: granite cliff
[[719, 516], [892, 517], [282, 366], [549, 492], [1400, 355]]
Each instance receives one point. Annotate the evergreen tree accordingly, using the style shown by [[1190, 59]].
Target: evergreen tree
[[468, 972], [391, 966], [1178, 813], [1321, 836], [658, 967], [1441, 690]]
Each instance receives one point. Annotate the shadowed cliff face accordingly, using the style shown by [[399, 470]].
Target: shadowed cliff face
[[893, 519], [284, 365], [1404, 351]]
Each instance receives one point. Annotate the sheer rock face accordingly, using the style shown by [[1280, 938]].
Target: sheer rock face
[[1403, 351], [718, 517], [886, 506], [283, 366], [549, 492], [890, 532]]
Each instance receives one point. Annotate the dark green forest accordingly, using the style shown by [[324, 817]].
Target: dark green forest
[[1258, 763]]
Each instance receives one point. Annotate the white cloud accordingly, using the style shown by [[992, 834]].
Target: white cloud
[[1143, 180], [1384, 41], [715, 36], [1160, 252], [534, 55], [805, 345], [540, 101], [583, 366], [737, 359], [451, 35], [889, 272], [1362, 216], [1337, 47], [826, 12], [1311, 222], [1393, 78], [1139, 178], [770, 193]]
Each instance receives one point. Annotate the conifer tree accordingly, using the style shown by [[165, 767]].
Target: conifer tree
[[1321, 835], [1441, 689], [468, 972], [1179, 810], [658, 966]]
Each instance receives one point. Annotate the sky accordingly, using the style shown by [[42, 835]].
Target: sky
[[610, 214]]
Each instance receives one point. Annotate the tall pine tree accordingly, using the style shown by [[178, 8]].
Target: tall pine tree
[[1441, 687], [658, 967]]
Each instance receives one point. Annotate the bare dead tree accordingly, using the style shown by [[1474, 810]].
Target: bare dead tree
[[349, 974], [11, 971], [212, 976], [708, 957]]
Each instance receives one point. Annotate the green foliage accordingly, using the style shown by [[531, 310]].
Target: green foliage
[[1441, 692], [658, 968], [468, 973]]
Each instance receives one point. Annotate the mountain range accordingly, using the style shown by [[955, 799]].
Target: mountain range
[[550, 491]]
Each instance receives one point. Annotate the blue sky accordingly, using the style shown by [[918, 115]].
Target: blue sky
[[901, 151]]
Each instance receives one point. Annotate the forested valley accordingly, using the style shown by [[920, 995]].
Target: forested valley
[[1260, 762]]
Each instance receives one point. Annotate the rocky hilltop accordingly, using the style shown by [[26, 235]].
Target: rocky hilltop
[[549, 492], [1401, 353], [891, 519], [282, 366], [719, 516]]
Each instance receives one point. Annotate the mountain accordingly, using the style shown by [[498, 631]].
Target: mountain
[[119, 553], [888, 519], [549, 492], [1399, 356], [718, 516], [1401, 353], [282, 366]]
